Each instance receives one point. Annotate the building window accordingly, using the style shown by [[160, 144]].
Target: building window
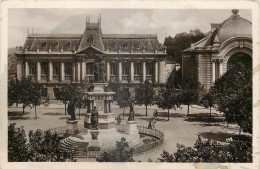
[[68, 68], [113, 45], [149, 69], [56, 45], [137, 68], [68, 45], [44, 44], [91, 39], [56, 68], [137, 45], [32, 68], [125, 45], [113, 69], [125, 68], [90, 69], [44, 68]]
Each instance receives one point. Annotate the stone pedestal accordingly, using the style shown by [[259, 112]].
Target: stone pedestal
[[72, 127], [102, 100], [132, 131], [95, 142]]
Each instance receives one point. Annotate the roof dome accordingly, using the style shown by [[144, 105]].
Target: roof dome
[[235, 26]]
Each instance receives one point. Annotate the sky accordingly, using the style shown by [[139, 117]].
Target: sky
[[163, 22]]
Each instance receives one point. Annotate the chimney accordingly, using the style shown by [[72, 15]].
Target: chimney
[[214, 26]]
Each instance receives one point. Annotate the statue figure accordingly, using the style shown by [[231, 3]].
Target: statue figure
[[118, 119], [131, 113], [71, 111], [99, 69], [94, 118]]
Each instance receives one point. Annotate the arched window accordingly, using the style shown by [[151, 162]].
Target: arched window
[[44, 44], [56, 44], [239, 58], [68, 45], [137, 45]]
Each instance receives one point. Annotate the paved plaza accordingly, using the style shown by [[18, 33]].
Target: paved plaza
[[180, 129]]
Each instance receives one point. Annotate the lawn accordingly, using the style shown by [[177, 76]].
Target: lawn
[[180, 129]]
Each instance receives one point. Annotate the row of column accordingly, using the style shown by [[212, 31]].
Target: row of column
[[213, 70], [78, 71], [156, 74]]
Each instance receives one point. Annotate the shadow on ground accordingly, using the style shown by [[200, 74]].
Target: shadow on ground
[[205, 119], [220, 136]]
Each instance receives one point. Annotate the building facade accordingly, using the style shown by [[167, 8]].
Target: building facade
[[58, 59], [226, 44]]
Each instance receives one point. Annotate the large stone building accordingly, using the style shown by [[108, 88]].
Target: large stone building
[[57, 59], [227, 43]]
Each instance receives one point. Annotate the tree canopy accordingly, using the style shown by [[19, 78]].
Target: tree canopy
[[145, 95], [180, 42], [233, 96]]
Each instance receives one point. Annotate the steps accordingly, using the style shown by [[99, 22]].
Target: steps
[[69, 144]]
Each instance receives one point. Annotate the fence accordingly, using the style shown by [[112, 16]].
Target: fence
[[158, 135]]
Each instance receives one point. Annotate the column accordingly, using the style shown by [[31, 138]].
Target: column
[[220, 68], [26, 69], [38, 71], [62, 71], [90, 106], [162, 72], [73, 72], [144, 71], [105, 106], [83, 70], [119, 71], [50, 71], [132, 71], [156, 72], [213, 71], [109, 106], [108, 71], [78, 71], [19, 69]]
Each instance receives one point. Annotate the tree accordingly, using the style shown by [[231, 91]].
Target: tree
[[190, 92], [17, 146], [169, 98], [211, 151], [122, 153], [233, 96], [123, 98], [208, 101], [13, 91], [66, 94], [24, 87], [145, 95], [37, 95], [45, 146], [180, 42]]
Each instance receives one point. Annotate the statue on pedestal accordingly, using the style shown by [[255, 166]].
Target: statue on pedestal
[[94, 119], [99, 69], [131, 113], [71, 111]]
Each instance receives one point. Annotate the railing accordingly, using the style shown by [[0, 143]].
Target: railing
[[158, 135], [147, 131]]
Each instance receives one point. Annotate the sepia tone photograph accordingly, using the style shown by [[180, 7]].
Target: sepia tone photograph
[[130, 85]]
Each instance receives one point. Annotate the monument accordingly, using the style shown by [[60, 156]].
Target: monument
[[131, 128], [72, 122], [100, 98]]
